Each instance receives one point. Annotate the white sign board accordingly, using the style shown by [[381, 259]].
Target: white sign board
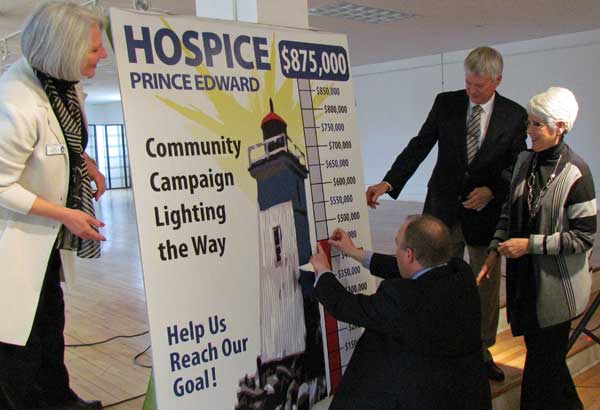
[[244, 152]]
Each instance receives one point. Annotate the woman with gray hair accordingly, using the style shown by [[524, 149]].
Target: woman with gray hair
[[546, 232], [45, 200]]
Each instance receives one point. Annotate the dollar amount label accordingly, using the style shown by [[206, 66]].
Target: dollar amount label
[[335, 109], [348, 217], [313, 61]]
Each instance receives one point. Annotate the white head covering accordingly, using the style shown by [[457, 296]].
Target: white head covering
[[555, 104]]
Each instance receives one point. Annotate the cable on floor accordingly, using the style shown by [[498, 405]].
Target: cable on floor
[[135, 361], [140, 354], [107, 340], [124, 401]]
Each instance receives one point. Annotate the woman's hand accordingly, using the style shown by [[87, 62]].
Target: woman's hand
[[80, 224], [96, 176], [514, 247], [487, 267]]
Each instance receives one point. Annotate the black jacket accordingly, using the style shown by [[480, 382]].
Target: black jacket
[[421, 348], [453, 178]]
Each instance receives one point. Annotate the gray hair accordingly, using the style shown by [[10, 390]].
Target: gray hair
[[553, 105], [484, 61], [56, 38]]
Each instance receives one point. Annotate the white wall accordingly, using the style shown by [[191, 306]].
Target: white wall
[[394, 98], [109, 113]]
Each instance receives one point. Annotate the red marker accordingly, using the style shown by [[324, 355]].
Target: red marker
[[333, 341]]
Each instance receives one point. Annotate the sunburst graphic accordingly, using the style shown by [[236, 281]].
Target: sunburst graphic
[[241, 120]]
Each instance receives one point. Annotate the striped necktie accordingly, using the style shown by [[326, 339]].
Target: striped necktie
[[473, 132]]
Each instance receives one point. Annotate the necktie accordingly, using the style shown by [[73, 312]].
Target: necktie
[[473, 132]]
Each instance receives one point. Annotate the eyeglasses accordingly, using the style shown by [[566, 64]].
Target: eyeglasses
[[535, 124]]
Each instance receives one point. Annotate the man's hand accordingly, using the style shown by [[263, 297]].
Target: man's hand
[[319, 260], [478, 198], [487, 267], [514, 247], [341, 241], [374, 192], [96, 176]]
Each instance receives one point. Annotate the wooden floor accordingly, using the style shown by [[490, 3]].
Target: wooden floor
[[108, 300], [588, 387]]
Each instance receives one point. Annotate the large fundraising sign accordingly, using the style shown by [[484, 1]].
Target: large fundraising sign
[[244, 153]]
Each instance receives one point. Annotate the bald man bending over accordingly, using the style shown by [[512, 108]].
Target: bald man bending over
[[421, 348]]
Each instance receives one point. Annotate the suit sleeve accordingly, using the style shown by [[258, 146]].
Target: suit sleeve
[[384, 266], [518, 133], [503, 224], [415, 152], [370, 311]]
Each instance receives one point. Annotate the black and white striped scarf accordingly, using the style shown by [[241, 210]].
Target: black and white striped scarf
[[65, 104]]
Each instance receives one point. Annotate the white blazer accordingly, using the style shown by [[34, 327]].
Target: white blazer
[[33, 162]]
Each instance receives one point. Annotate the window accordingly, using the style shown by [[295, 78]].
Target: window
[[106, 145]]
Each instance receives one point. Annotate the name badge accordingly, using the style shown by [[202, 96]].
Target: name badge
[[56, 149]]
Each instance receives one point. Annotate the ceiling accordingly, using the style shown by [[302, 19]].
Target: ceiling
[[436, 26]]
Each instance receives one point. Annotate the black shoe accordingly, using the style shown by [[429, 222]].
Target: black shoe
[[80, 404], [494, 372]]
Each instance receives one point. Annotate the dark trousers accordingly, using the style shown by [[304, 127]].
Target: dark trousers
[[547, 382], [489, 289], [34, 376]]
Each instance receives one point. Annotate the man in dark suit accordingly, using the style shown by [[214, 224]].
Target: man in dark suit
[[479, 134], [421, 348]]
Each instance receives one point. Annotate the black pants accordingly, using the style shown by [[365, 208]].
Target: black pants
[[34, 376], [547, 382]]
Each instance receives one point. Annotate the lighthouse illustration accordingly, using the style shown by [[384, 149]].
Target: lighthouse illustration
[[290, 368]]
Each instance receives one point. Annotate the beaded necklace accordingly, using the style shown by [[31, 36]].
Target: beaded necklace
[[531, 203]]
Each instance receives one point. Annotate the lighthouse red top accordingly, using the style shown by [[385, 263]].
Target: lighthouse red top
[[271, 116]]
